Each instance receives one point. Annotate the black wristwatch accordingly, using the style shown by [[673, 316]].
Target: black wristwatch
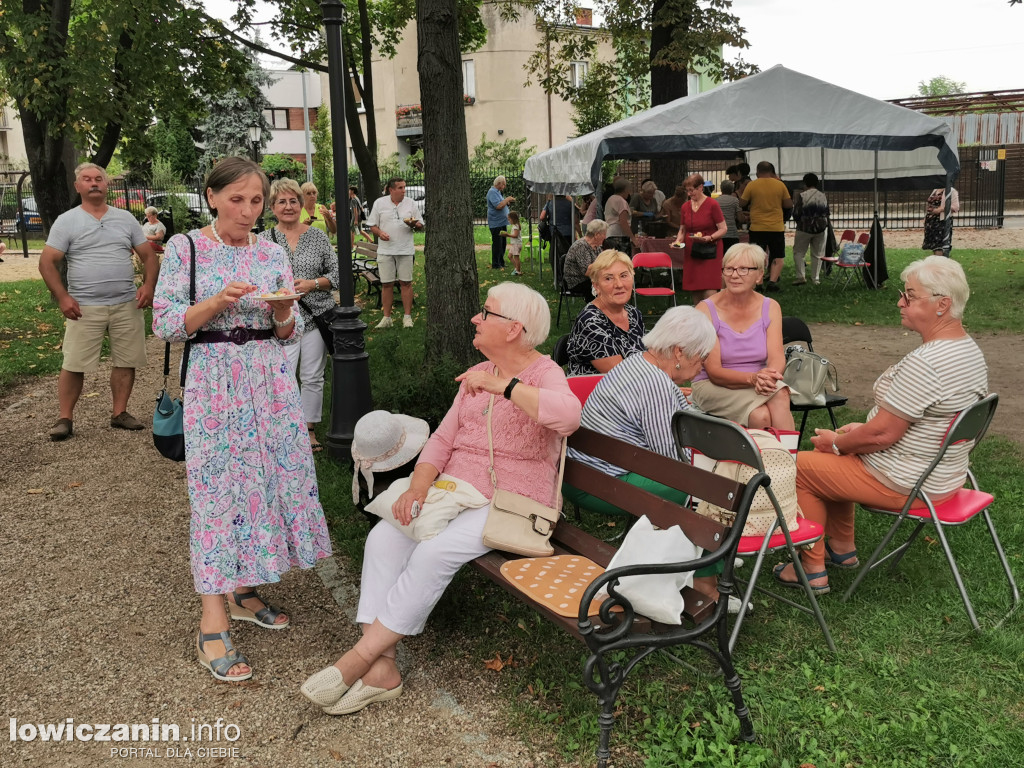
[[511, 385]]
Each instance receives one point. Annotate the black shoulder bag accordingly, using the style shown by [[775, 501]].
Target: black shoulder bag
[[168, 417]]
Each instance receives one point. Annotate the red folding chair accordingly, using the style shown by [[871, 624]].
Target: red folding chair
[[863, 238], [654, 260], [582, 386], [686, 427], [967, 504]]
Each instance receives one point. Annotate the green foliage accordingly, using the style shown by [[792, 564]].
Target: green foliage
[[173, 143], [510, 153], [232, 113], [323, 153], [618, 88], [284, 166], [940, 86]]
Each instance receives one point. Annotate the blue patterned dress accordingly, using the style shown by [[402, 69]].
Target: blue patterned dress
[[251, 480]]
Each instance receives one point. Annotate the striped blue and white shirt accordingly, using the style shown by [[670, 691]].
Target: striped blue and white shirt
[[634, 402]]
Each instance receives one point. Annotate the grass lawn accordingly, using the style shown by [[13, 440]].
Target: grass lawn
[[911, 684]]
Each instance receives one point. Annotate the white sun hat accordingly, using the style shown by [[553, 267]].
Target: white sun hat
[[382, 441]]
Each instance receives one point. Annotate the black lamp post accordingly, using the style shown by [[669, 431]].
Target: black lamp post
[[255, 134], [350, 371]]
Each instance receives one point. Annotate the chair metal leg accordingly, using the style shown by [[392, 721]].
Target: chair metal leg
[[874, 561], [898, 553], [956, 571], [831, 415], [803, 423], [558, 319], [1014, 592]]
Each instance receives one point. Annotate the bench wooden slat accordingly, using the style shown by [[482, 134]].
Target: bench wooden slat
[[663, 513], [716, 489]]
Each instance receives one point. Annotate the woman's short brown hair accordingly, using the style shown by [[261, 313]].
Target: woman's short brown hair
[[231, 169]]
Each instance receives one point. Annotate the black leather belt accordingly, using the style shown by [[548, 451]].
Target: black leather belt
[[235, 336]]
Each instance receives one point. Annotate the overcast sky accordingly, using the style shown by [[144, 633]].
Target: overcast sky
[[881, 48], [884, 48]]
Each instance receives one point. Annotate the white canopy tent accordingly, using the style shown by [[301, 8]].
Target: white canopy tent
[[795, 121]]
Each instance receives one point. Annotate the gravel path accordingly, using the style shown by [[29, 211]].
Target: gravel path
[[102, 615]]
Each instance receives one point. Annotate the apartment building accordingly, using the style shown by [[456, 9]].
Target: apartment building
[[294, 98]]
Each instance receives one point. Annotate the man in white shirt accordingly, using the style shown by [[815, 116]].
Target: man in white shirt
[[393, 219]]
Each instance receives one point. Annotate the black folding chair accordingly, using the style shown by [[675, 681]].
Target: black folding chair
[[793, 330]]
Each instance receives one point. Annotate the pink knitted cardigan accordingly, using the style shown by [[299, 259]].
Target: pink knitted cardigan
[[525, 451]]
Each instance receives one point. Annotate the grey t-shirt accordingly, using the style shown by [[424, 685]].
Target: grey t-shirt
[[99, 254]]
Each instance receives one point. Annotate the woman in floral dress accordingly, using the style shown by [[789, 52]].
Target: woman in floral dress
[[251, 479]]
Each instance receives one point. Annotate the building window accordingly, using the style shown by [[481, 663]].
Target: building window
[[578, 73], [278, 118], [469, 79], [356, 91]]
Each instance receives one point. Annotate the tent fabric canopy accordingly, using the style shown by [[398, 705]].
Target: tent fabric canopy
[[795, 121]]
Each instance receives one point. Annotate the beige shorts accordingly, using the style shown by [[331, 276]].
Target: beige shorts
[[393, 268], [83, 338]]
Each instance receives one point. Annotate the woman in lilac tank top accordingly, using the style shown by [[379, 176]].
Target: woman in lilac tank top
[[741, 376]]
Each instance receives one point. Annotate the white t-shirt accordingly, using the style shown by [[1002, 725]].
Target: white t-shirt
[[390, 218]]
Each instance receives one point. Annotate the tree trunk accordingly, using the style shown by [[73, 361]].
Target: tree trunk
[[667, 84], [453, 292], [49, 154]]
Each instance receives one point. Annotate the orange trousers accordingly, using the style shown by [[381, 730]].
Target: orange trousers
[[827, 487]]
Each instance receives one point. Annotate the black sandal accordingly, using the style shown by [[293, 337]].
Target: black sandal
[[314, 445]]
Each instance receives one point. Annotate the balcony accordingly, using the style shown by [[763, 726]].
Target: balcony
[[5, 120], [409, 117]]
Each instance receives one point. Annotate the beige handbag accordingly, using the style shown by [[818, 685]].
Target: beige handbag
[[516, 523], [780, 465]]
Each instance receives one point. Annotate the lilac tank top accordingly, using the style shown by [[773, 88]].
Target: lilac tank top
[[746, 352]]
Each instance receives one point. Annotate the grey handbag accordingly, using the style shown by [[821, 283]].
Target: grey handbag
[[516, 523], [807, 374]]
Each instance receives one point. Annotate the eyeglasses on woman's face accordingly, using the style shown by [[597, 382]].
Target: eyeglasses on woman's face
[[485, 313], [906, 298], [741, 271]]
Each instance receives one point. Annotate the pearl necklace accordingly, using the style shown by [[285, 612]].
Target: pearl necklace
[[250, 238]]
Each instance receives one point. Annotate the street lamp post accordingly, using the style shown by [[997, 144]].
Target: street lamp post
[[255, 134], [350, 370]]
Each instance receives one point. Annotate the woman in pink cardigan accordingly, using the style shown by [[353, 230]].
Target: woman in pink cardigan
[[403, 579]]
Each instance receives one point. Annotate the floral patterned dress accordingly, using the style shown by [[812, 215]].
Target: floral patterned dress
[[251, 479]]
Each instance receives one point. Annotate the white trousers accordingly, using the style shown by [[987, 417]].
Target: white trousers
[[403, 579], [308, 359], [801, 240]]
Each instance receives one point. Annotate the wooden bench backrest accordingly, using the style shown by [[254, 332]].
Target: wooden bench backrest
[[366, 250], [716, 489]]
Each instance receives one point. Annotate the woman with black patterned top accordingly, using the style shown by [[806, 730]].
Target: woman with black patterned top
[[609, 328], [315, 268]]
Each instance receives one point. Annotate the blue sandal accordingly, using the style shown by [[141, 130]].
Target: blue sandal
[[823, 589], [219, 667], [846, 560], [266, 616]]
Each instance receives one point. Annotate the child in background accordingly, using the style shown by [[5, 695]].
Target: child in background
[[514, 241]]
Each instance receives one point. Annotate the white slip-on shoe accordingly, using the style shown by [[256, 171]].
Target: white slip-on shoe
[[407, 322], [385, 323], [359, 696], [324, 688]]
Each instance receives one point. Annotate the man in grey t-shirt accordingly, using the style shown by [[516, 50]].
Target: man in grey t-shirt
[[100, 299]]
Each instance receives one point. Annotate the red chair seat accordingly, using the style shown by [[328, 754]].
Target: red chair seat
[[805, 531], [957, 509], [655, 291]]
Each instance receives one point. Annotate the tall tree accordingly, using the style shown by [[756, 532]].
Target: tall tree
[[655, 42], [940, 86], [452, 281], [233, 112], [74, 71]]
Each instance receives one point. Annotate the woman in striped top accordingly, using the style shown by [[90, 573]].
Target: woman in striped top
[[878, 462], [635, 402]]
